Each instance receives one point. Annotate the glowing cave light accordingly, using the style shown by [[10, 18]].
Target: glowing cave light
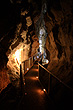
[[37, 77], [27, 68], [44, 90], [24, 83]]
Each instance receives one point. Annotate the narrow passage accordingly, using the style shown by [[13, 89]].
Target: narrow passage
[[34, 97]]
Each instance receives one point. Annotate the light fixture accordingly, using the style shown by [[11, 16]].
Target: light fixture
[[44, 90], [27, 68], [25, 93], [24, 83], [37, 77]]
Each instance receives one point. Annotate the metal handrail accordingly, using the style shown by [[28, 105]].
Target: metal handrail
[[24, 71], [31, 57], [56, 77]]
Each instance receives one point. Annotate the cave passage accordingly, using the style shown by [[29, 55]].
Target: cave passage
[[28, 27]]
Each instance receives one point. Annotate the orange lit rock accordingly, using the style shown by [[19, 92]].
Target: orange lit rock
[[59, 44], [4, 79]]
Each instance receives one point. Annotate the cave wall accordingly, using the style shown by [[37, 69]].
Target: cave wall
[[21, 34], [4, 79], [8, 20], [59, 42]]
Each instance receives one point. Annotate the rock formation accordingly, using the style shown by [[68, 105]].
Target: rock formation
[[59, 43], [25, 23]]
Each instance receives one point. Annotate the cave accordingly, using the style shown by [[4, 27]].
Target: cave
[[31, 26]]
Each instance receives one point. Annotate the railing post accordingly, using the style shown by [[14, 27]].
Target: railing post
[[38, 70], [29, 62], [32, 60], [49, 84], [42, 56], [21, 75], [21, 80], [24, 66]]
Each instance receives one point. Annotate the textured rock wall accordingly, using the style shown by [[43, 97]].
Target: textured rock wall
[[9, 17], [21, 35], [4, 79], [59, 43]]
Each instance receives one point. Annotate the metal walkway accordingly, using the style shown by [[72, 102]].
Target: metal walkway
[[29, 95], [34, 98]]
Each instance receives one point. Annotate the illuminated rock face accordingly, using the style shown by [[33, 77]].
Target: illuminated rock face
[[15, 59], [23, 44], [42, 40], [4, 79], [58, 21], [19, 45], [42, 43], [42, 33], [59, 43]]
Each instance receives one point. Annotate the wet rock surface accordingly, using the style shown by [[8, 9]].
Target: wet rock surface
[[59, 42]]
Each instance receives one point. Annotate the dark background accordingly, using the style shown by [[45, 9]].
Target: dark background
[[9, 16]]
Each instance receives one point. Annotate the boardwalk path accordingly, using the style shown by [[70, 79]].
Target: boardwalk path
[[34, 98]]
